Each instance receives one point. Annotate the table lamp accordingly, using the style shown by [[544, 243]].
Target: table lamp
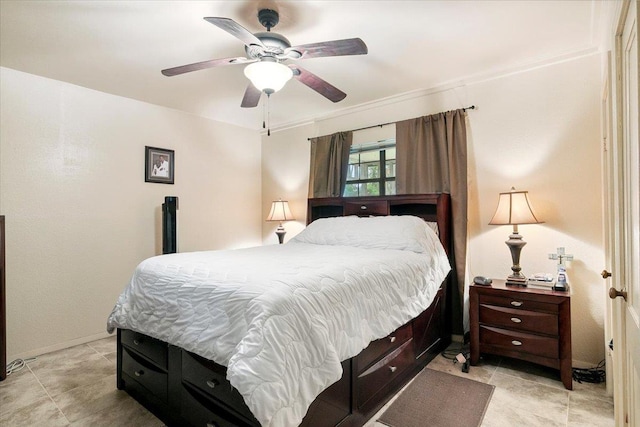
[[514, 209], [280, 212]]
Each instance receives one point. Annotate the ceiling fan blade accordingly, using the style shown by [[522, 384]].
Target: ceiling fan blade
[[331, 48], [324, 88], [204, 65], [251, 97], [236, 30]]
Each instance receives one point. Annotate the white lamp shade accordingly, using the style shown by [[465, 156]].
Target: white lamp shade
[[268, 76], [514, 208], [280, 211]]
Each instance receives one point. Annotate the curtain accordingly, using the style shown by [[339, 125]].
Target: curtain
[[431, 157], [329, 164]]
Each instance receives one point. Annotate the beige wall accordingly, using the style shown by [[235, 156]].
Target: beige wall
[[79, 215], [537, 130]]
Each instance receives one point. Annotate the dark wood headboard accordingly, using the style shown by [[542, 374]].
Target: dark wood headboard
[[430, 207]]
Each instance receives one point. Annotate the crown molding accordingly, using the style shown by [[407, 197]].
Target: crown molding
[[443, 87]]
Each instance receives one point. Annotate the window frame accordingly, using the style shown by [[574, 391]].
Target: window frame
[[381, 147]]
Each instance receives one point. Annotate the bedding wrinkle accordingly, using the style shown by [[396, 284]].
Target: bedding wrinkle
[[281, 318]]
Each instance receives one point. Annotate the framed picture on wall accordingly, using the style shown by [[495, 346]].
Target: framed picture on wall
[[159, 165]]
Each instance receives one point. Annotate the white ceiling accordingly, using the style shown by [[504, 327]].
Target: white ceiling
[[119, 47]]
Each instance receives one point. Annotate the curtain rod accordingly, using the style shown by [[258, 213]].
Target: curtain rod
[[471, 107]]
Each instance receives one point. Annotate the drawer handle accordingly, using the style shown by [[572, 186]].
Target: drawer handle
[[393, 369], [212, 383], [213, 424], [363, 207], [137, 342], [516, 303], [392, 339], [516, 320], [515, 342], [139, 373]]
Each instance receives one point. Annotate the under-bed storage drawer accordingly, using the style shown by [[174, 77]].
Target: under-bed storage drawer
[[145, 373], [382, 373], [211, 380], [151, 348], [378, 348], [199, 411]]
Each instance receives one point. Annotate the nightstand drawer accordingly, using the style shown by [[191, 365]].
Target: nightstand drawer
[[519, 302], [365, 208], [520, 342], [378, 348], [522, 320]]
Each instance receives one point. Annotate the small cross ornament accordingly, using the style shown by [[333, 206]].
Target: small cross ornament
[[561, 284], [561, 257]]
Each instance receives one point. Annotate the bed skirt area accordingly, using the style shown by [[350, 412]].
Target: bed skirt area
[[183, 389]]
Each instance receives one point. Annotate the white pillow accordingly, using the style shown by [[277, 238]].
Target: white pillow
[[407, 233]]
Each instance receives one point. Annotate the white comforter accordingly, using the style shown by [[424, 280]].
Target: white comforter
[[281, 318]]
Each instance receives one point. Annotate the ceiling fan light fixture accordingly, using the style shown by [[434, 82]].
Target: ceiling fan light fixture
[[268, 76]]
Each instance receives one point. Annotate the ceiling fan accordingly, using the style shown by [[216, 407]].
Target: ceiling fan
[[266, 54]]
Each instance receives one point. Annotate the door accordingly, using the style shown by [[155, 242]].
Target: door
[[623, 222]]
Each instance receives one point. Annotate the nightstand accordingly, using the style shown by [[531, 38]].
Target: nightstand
[[524, 323]]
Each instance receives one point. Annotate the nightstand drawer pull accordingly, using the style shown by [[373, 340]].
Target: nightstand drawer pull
[[515, 342], [393, 368], [139, 373], [392, 339], [516, 320], [363, 207], [137, 342], [516, 303], [212, 383], [213, 424]]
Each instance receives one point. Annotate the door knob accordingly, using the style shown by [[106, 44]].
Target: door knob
[[605, 274], [614, 293]]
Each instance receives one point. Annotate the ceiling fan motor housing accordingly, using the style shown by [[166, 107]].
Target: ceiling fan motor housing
[[269, 18]]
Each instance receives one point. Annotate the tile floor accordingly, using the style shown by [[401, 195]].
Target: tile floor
[[76, 387]]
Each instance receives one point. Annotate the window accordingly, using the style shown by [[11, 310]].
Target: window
[[372, 169]]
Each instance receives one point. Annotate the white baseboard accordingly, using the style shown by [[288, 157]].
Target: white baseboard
[[59, 346]]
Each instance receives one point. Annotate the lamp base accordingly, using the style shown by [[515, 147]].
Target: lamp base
[[280, 232], [515, 244], [514, 280]]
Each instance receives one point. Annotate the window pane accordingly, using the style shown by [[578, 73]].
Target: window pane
[[370, 156], [354, 158], [390, 153], [390, 168], [390, 188], [351, 190], [352, 172], [370, 170], [371, 189]]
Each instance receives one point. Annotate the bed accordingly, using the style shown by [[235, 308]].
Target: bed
[[307, 333]]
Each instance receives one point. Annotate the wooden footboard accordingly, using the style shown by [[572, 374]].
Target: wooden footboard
[[183, 389]]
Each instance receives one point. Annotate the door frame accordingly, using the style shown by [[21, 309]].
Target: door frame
[[615, 203]]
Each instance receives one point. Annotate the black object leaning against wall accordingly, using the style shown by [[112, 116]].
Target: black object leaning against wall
[[169, 225]]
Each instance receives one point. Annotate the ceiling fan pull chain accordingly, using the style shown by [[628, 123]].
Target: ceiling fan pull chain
[[264, 113], [268, 115]]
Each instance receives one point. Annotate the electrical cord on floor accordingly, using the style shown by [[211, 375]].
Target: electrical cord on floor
[[451, 352], [17, 365], [459, 355], [596, 374]]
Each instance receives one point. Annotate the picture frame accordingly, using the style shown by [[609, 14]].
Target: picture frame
[[159, 165]]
